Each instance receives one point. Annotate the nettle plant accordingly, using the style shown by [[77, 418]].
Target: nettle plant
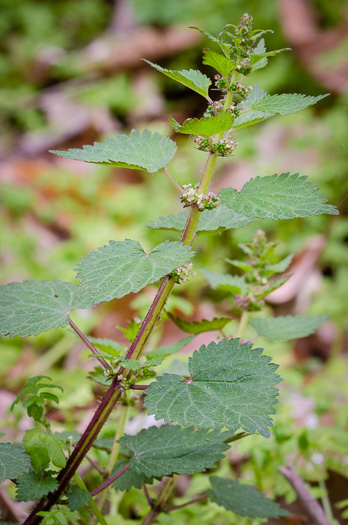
[[229, 390]]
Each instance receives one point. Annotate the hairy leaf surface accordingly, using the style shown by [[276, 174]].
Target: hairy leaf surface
[[130, 478], [123, 267], [78, 497], [286, 103], [234, 284], [34, 485], [205, 126], [217, 219], [163, 451], [198, 327], [143, 151], [43, 448], [230, 385], [13, 461], [190, 78], [276, 197], [243, 500], [32, 307], [288, 327]]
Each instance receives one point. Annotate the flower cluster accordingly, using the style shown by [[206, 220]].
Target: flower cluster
[[235, 109], [241, 89], [222, 147], [191, 197], [182, 273], [213, 107], [250, 304]]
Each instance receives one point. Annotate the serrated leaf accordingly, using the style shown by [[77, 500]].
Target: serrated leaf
[[13, 461], [249, 118], [191, 78], [130, 364], [123, 267], [243, 500], [163, 451], [224, 47], [33, 485], [131, 331], [272, 285], [43, 448], [286, 103], [205, 126], [256, 94], [77, 497], [234, 284], [170, 349], [288, 327], [130, 478], [143, 151], [230, 385], [198, 327], [59, 515], [32, 307], [217, 219], [276, 197], [221, 63]]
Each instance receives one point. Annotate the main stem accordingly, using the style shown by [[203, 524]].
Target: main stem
[[115, 390]]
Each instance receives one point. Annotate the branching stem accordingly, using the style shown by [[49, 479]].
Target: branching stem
[[89, 344]]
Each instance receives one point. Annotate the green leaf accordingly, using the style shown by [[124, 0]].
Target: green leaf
[[130, 478], [224, 47], [77, 497], [170, 349], [205, 126], [249, 118], [256, 94], [217, 219], [288, 327], [221, 63], [286, 103], [131, 331], [59, 515], [33, 485], [243, 500], [191, 78], [123, 267], [230, 385], [279, 267], [32, 307], [234, 284], [143, 151], [107, 345], [163, 451], [13, 461], [130, 364], [272, 285], [276, 197], [43, 448], [198, 327]]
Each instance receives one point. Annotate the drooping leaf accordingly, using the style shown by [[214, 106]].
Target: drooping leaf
[[198, 327], [191, 78], [130, 478], [243, 500], [221, 63], [224, 46], [43, 448], [32, 307], [143, 151], [170, 349], [276, 197], [77, 497], [234, 284], [123, 267], [230, 385], [217, 219], [286, 103], [34, 485], [288, 327], [163, 451], [13, 461], [205, 126]]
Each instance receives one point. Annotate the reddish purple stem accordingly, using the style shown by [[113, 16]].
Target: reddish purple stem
[[109, 481], [88, 344]]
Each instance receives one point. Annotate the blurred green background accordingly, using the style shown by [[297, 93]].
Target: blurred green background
[[71, 74]]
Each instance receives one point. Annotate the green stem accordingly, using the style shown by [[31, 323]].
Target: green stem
[[99, 517], [242, 323], [161, 501], [326, 504]]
